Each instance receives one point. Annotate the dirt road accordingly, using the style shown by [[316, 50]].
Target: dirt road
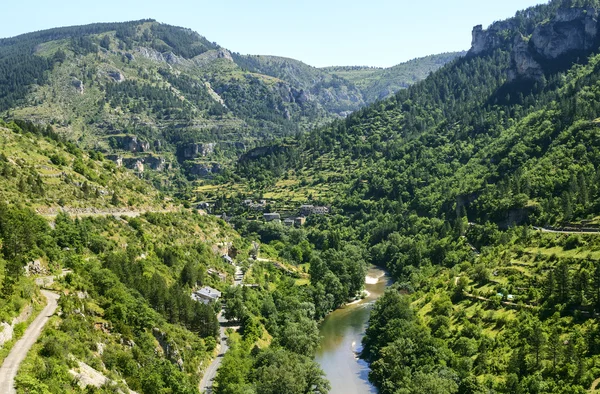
[[11, 364]]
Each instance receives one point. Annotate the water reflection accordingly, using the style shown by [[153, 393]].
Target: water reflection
[[342, 332]]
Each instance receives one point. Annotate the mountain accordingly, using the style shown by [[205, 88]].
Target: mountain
[[443, 184], [138, 89], [380, 83], [477, 188]]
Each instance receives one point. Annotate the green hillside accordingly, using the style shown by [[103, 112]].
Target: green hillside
[[441, 184], [138, 89], [42, 170], [477, 188], [380, 83]]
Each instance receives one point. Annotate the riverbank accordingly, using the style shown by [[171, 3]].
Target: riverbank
[[342, 332]]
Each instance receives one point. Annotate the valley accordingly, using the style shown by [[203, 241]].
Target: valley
[[250, 224]]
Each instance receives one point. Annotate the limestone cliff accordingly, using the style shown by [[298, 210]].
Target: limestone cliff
[[569, 31]]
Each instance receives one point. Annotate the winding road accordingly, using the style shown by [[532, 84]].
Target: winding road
[[209, 375], [11, 364]]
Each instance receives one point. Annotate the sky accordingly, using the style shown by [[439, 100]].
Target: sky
[[321, 33]]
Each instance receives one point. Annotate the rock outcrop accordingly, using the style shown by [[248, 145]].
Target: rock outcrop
[[157, 163], [7, 330], [192, 151], [78, 85], [168, 348], [523, 64], [117, 76], [134, 163], [130, 143], [263, 151], [205, 169], [490, 39], [570, 31], [139, 164], [158, 57], [212, 55], [292, 95]]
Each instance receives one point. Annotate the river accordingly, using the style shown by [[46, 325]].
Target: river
[[342, 332]]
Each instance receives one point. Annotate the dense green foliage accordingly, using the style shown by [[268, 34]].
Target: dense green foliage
[[439, 184], [168, 86], [119, 304], [446, 177]]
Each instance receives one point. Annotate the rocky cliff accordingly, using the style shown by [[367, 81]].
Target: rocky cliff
[[567, 33]]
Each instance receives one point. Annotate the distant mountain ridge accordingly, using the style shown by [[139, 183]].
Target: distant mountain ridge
[[171, 89]]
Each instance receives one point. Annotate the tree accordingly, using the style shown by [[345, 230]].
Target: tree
[[277, 371], [537, 339], [114, 200], [300, 337], [105, 42], [554, 346]]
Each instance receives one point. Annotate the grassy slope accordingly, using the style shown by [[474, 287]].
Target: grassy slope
[[28, 157]]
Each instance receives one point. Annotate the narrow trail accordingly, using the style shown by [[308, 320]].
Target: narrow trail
[[11, 364], [211, 372], [594, 385]]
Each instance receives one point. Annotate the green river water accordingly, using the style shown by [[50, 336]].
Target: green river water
[[342, 332]]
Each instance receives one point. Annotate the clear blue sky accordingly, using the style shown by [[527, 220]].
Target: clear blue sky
[[318, 32]]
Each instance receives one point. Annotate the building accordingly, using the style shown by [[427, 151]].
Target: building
[[306, 209], [204, 205], [320, 210], [226, 258], [269, 217], [299, 221], [295, 221], [206, 295], [256, 206]]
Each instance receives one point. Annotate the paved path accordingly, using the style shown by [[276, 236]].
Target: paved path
[[547, 230], [11, 364], [210, 373], [85, 212]]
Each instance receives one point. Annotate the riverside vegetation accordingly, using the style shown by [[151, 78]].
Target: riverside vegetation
[[441, 184]]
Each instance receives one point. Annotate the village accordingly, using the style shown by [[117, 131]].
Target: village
[[289, 218]]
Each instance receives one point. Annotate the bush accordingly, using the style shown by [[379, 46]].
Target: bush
[[572, 242]]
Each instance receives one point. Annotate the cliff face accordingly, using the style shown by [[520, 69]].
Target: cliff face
[[488, 40], [570, 30]]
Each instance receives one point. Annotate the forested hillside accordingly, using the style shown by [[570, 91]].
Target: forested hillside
[[125, 303], [476, 188], [380, 83], [442, 183], [164, 100]]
